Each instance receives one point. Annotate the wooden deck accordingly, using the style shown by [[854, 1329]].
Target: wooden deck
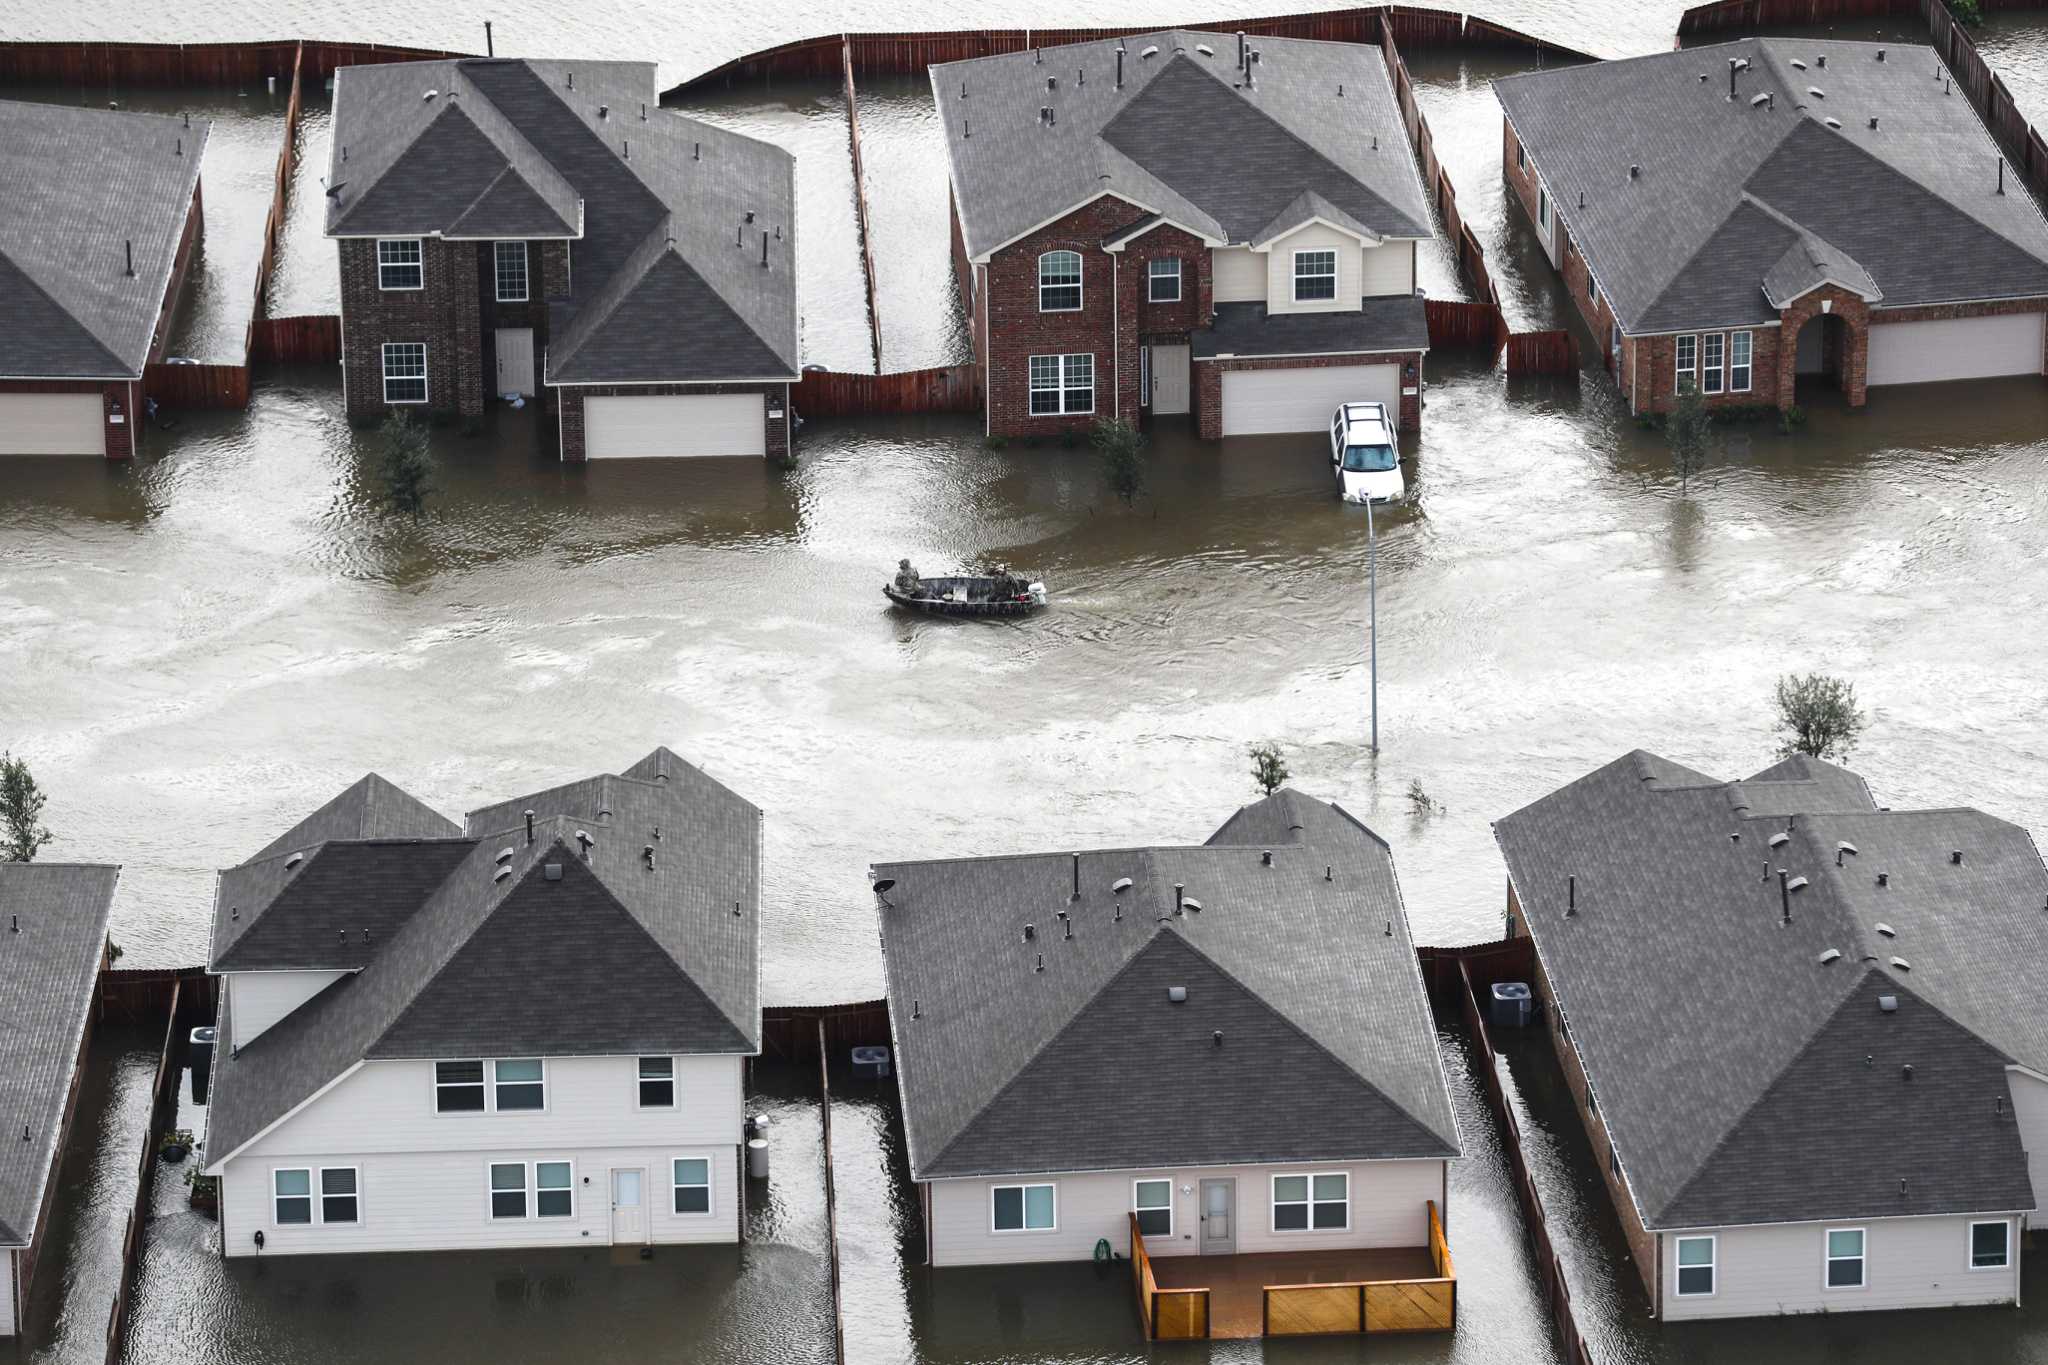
[[1237, 1284]]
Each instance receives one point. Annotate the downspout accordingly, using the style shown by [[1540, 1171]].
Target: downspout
[[1116, 336], [134, 422], [987, 388]]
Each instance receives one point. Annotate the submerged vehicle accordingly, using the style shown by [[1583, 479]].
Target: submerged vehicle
[[1364, 454], [1002, 594]]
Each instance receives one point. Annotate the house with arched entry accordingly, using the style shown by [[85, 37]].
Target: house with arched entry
[[1766, 217]]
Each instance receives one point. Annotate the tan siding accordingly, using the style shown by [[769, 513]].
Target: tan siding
[[1240, 274], [1280, 270], [1388, 268], [1909, 1263], [260, 999]]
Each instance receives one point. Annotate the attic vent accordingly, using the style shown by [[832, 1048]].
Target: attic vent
[[1831, 955], [1119, 886], [1052, 82], [1888, 1003], [1798, 65], [1149, 53], [1832, 122], [1816, 92], [501, 874], [1880, 54], [1844, 847], [1205, 49], [1177, 994], [1887, 931], [1821, 61], [1191, 903], [1956, 856], [293, 861], [429, 95], [1902, 964], [1755, 100], [1780, 839], [1795, 884], [1634, 172], [552, 871]]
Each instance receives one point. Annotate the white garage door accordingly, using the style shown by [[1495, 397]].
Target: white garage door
[[674, 424], [51, 424], [1955, 348], [1259, 402]]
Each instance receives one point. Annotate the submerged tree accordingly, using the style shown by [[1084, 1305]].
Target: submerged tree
[[405, 464], [1817, 716], [1686, 429], [1122, 447], [21, 811], [1269, 768]]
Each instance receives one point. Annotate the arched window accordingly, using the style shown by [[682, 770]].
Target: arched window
[[1059, 282]]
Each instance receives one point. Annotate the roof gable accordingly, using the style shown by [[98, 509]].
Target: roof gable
[[40, 337], [336, 909], [660, 323]]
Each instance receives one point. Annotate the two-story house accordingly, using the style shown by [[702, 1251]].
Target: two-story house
[[525, 1030], [1801, 1029], [513, 228], [1218, 1057], [1185, 222]]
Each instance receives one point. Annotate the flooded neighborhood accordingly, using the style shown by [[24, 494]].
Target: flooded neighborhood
[[814, 685]]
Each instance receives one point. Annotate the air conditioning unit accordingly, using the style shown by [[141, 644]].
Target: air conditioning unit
[[871, 1063]]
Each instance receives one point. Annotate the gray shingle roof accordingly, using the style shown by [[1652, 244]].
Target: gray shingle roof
[[1678, 977], [663, 287], [1183, 138], [82, 184], [639, 957], [1726, 188], [1383, 323], [1329, 1050], [55, 925]]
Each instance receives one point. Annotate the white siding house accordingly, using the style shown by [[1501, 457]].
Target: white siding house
[[260, 999], [1846, 1266]]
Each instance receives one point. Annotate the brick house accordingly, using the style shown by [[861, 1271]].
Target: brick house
[[1768, 214], [1185, 223], [92, 269], [517, 229], [1798, 1028]]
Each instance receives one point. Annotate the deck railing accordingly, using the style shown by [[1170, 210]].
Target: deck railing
[[1357, 1306], [1169, 1314]]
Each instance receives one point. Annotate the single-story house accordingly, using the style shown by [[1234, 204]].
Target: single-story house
[[544, 229], [1801, 1029], [526, 1030], [98, 222], [1750, 217]]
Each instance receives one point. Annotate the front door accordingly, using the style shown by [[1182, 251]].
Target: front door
[[1169, 380], [1219, 1217], [629, 1207], [515, 360]]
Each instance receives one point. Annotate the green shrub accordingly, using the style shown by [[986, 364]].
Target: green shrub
[[1969, 12], [995, 442], [1791, 419]]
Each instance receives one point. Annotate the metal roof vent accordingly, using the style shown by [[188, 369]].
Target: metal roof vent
[[1052, 82], [1149, 53], [1798, 65], [1902, 964], [1880, 54], [1796, 884], [1816, 92], [1956, 856], [430, 95], [1841, 848], [1755, 100], [1119, 886], [1888, 1003], [1832, 122], [293, 861], [1884, 879], [1634, 172], [1831, 955], [1191, 903], [501, 874], [1873, 123], [1177, 995], [1821, 61], [1205, 49], [1780, 839], [1887, 930], [505, 854]]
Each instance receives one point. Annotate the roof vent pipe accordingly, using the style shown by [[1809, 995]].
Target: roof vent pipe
[[529, 827], [1635, 172], [696, 151], [2001, 190], [584, 841], [1240, 49], [626, 150], [643, 111], [764, 250], [1956, 856], [1119, 72], [1179, 897], [1266, 857], [1821, 61], [1785, 896], [1732, 69], [1041, 963], [1873, 123], [916, 1008], [130, 242], [179, 150], [1076, 894], [572, 80], [1571, 895], [1080, 75]]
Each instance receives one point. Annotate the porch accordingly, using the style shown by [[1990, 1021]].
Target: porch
[[1325, 1291]]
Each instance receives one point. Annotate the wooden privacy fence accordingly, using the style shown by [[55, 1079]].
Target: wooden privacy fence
[[197, 386], [1542, 353], [163, 1109], [831, 393], [796, 1033], [173, 64], [310, 339], [860, 203], [1453, 323], [1168, 1314], [1422, 1305]]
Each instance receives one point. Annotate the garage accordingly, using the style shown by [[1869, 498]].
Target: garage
[[670, 425], [1267, 402], [1954, 348], [51, 424]]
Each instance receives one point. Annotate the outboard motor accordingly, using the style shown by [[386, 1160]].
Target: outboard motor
[[1037, 591]]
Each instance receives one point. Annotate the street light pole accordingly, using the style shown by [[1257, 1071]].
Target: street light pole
[[1372, 593]]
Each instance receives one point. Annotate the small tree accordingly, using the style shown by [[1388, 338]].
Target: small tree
[[405, 464], [1269, 769], [21, 811], [1817, 716], [1122, 448], [1421, 804], [1686, 430]]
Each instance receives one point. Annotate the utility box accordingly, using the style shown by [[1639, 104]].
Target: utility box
[[1512, 1004], [871, 1063]]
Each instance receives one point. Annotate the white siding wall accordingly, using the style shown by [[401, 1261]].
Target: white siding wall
[[2030, 1107], [1387, 1199], [256, 1000], [1240, 274], [424, 1176], [1389, 268], [1909, 1263], [1280, 270]]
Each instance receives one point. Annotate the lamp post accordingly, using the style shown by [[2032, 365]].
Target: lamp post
[[1372, 595]]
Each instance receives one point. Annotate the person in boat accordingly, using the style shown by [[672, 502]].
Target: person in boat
[[908, 581]]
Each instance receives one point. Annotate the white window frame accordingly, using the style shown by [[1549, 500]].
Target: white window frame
[[1521, 155], [1140, 1209], [483, 1083], [1309, 1202], [1970, 1244], [1713, 373], [1063, 388], [418, 265], [497, 1108], [534, 1183], [1542, 207], [311, 1196], [1335, 266], [1713, 1267], [320, 1197], [641, 1079], [498, 272], [1153, 277], [1680, 370], [1828, 1259], [710, 1189], [491, 1192], [1075, 284], [425, 391], [1024, 1188], [1748, 365]]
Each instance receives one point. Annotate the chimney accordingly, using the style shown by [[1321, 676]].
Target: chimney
[[1784, 896], [529, 827]]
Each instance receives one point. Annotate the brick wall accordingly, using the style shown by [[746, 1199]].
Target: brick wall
[[1650, 372], [1208, 396], [445, 314], [1143, 322], [776, 429], [547, 277], [1851, 367], [1642, 1243], [1017, 330]]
